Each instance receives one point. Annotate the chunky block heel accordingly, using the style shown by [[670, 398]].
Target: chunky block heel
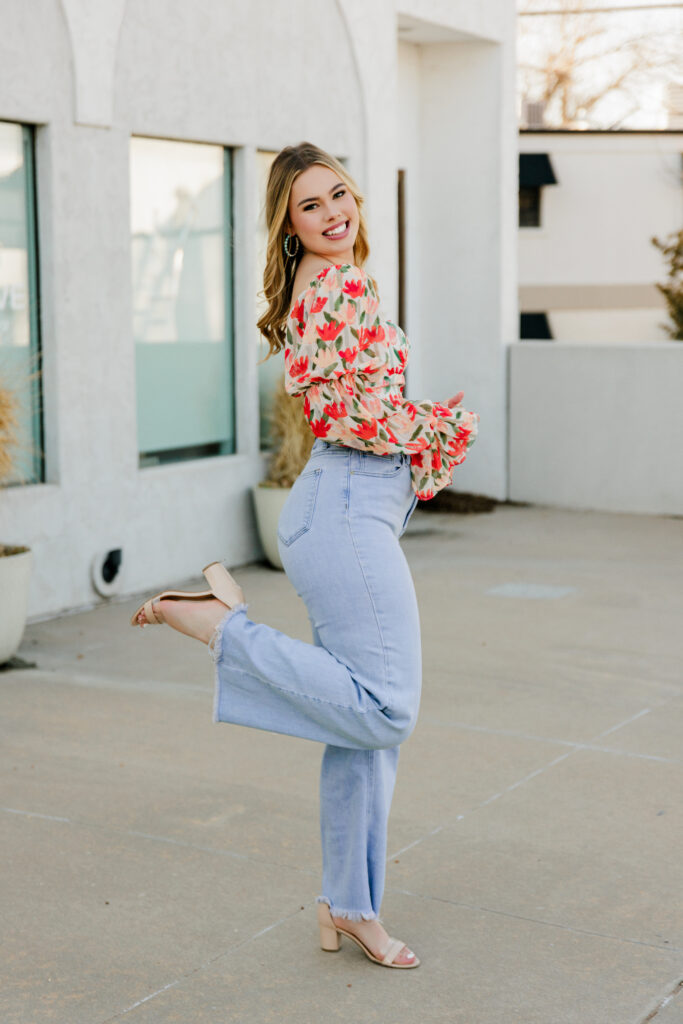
[[223, 587], [329, 936], [330, 941]]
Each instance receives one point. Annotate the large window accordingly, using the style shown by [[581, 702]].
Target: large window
[[535, 171], [19, 321], [182, 299]]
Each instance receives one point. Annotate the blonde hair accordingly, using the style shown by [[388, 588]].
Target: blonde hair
[[280, 270]]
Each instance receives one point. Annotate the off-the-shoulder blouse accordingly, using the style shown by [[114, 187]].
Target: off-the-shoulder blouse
[[348, 362]]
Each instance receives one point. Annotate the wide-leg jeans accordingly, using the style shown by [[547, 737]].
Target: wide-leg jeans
[[356, 688]]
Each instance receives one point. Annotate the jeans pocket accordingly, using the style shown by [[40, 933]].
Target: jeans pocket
[[409, 513], [296, 517], [371, 464]]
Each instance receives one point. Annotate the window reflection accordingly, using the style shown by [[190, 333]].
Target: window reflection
[[182, 299], [19, 325]]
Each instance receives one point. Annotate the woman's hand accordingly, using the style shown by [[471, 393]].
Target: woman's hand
[[455, 400]]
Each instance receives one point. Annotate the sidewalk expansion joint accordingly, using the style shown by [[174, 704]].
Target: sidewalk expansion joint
[[573, 744], [536, 920], [652, 1016], [519, 782], [202, 967], [112, 830]]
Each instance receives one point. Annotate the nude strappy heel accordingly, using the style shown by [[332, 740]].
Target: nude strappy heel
[[223, 586], [330, 941]]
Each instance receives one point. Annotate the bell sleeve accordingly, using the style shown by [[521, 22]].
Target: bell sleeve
[[335, 320]]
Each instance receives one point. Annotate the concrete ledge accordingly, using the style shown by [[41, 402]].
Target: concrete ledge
[[597, 426]]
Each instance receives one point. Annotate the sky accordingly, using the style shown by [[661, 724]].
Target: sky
[[647, 92]]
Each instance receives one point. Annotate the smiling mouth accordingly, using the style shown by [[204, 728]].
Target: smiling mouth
[[338, 230]]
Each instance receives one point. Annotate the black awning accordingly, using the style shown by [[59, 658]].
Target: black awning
[[535, 169], [534, 327]]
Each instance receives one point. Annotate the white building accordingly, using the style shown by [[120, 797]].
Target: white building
[[590, 201], [133, 139], [595, 416]]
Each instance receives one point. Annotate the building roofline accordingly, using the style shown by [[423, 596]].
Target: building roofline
[[600, 131]]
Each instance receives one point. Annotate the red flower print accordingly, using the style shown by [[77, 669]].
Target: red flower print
[[307, 406], [354, 289], [320, 428], [390, 434], [372, 334], [425, 495], [299, 367], [287, 353], [366, 430], [416, 459], [402, 356], [394, 369], [463, 433], [441, 410], [436, 459], [330, 331], [395, 400], [335, 410], [411, 410], [417, 446], [297, 311], [319, 304], [348, 354]]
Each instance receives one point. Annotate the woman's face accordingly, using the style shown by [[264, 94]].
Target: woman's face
[[320, 203]]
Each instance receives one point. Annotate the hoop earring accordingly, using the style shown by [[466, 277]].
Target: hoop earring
[[286, 245]]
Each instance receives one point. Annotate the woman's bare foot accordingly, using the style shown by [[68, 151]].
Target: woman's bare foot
[[197, 619], [375, 937]]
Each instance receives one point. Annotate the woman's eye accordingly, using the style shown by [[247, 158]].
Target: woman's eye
[[340, 192]]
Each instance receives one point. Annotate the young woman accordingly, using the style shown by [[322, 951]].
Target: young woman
[[357, 687]]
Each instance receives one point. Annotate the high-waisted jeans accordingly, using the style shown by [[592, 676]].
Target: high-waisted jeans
[[356, 688]]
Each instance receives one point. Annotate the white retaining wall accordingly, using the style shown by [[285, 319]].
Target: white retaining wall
[[597, 426]]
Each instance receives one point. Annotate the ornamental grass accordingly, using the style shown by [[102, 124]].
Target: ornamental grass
[[9, 430], [291, 438]]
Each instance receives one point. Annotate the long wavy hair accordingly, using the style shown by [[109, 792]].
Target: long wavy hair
[[280, 269]]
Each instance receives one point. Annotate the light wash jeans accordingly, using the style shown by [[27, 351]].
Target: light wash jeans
[[356, 688]]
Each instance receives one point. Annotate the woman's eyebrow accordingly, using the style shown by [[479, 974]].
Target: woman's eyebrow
[[312, 198]]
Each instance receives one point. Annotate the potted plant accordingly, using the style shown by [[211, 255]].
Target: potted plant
[[15, 560], [673, 291], [292, 440]]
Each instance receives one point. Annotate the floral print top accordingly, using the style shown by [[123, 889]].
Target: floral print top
[[349, 364]]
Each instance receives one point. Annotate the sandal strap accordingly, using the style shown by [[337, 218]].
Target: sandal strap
[[393, 949], [150, 614]]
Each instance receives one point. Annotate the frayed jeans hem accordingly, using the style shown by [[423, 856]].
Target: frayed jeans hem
[[349, 915], [215, 648]]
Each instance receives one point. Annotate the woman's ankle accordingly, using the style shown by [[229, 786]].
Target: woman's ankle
[[193, 618]]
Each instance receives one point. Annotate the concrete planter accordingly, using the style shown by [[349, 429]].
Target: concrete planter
[[15, 576], [269, 502]]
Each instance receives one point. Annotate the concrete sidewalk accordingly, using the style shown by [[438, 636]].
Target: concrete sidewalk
[[159, 868]]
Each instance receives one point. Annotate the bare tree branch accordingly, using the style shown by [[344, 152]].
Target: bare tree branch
[[575, 48]]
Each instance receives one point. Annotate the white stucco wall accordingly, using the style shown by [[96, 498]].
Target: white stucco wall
[[467, 240], [597, 427], [615, 191], [249, 76]]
